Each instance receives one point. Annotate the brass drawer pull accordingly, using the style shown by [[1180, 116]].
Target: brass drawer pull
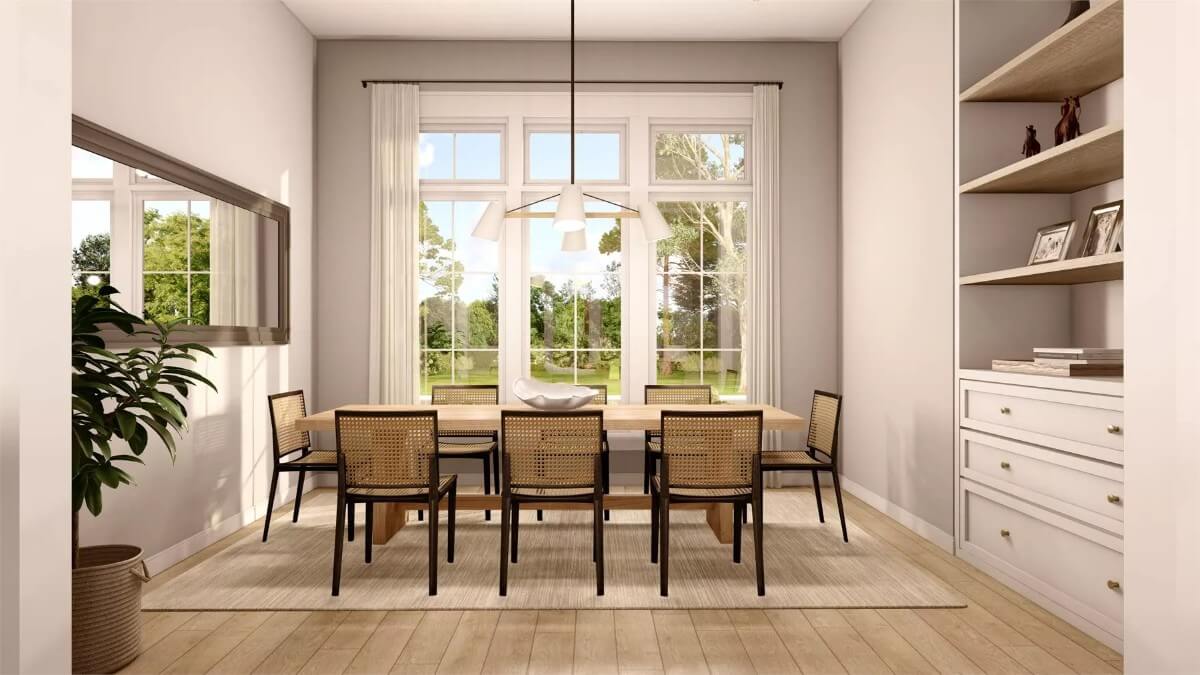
[[1005, 465], [1004, 410], [1114, 584], [1114, 499], [1114, 429], [1004, 533]]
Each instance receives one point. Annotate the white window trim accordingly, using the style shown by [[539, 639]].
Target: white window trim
[[657, 126], [621, 128], [475, 127]]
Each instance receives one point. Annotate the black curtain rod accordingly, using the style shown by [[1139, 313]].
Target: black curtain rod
[[700, 82]]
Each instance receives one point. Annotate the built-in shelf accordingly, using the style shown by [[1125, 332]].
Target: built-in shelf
[[1106, 385], [1074, 60], [1092, 159], [1106, 267]]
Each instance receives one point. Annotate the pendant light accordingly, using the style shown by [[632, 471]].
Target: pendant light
[[570, 218]]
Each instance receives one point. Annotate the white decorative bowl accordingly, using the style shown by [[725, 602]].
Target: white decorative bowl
[[550, 396]]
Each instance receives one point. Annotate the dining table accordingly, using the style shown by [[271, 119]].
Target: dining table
[[391, 517]]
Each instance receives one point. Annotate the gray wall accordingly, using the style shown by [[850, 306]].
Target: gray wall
[[898, 261], [808, 166]]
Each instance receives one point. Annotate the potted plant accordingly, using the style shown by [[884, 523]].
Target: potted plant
[[119, 400]]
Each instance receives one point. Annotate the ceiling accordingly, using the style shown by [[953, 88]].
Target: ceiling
[[595, 19]]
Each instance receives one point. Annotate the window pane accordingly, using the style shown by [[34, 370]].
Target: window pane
[[200, 296], [436, 239], [678, 367], [724, 236], [552, 366], [723, 370], [699, 156], [597, 155], [551, 312], [679, 310], [435, 369], [723, 299], [436, 156], [471, 253], [681, 252], [87, 283], [166, 296], [476, 319], [600, 367], [91, 235], [598, 313], [87, 165], [165, 236], [477, 156], [200, 223], [476, 367], [434, 319]]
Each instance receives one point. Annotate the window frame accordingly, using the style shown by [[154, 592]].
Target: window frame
[[473, 127], [692, 127], [137, 303], [541, 125]]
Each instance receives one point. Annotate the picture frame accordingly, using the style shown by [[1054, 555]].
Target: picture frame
[[1104, 231], [1051, 243]]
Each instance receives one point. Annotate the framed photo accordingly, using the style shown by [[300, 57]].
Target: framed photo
[[1103, 232], [1051, 243]]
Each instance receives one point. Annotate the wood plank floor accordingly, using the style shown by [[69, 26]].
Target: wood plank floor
[[998, 633]]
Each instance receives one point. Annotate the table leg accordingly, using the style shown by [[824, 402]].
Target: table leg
[[720, 519], [389, 518]]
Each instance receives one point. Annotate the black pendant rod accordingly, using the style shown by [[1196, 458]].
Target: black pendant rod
[[572, 92], [738, 83]]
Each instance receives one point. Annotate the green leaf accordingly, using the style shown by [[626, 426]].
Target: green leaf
[[127, 424]]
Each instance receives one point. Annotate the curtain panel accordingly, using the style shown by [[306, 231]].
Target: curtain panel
[[395, 204], [234, 255]]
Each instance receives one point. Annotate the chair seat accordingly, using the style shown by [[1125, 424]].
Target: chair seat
[[655, 447], [715, 493], [316, 457], [553, 492], [443, 484], [789, 458], [445, 448]]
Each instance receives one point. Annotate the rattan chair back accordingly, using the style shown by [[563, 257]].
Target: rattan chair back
[[711, 449], [286, 409], [465, 394], [382, 449], [825, 422], [678, 394], [601, 393], [551, 449]]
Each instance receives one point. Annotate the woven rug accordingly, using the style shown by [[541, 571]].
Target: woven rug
[[807, 566]]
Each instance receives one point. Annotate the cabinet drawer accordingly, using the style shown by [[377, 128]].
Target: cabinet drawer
[[1064, 557], [1079, 487], [1045, 416]]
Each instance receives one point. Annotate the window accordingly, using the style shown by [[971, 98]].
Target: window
[[460, 296], [575, 301], [461, 156], [175, 260], [91, 246], [599, 156], [700, 156], [701, 286]]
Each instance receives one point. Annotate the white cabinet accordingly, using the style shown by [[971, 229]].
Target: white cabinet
[[1041, 491]]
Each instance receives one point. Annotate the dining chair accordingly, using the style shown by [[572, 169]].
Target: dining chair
[[286, 408], [820, 454], [668, 394], [601, 399], [550, 457], [708, 457], [470, 444], [388, 456]]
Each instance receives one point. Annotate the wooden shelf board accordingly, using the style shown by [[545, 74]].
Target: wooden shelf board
[[1092, 159], [1106, 385], [1074, 60], [1106, 267]]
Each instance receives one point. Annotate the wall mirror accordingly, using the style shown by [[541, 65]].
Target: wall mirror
[[177, 242]]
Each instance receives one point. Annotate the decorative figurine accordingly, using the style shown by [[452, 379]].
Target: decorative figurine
[[1031, 147], [1077, 7], [1068, 126]]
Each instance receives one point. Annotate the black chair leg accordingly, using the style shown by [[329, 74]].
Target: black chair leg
[[817, 492], [368, 528], [338, 538], [653, 528], [539, 515], [604, 459], [504, 536], [433, 545], [270, 503], [647, 469], [299, 494], [758, 546], [496, 469], [598, 547], [487, 482], [349, 521], [745, 515], [837, 491], [450, 513], [739, 510], [516, 528], [420, 514], [664, 554]]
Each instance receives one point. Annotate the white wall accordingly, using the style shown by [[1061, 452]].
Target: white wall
[[35, 238], [896, 259], [1162, 373], [226, 86]]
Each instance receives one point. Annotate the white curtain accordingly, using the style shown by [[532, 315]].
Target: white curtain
[[395, 204], [763, 377], [233, 260]]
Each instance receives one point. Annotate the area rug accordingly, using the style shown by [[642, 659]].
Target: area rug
[[807, 566]]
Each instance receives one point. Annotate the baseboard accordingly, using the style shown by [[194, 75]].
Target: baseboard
[[941, 538], [198, 542]]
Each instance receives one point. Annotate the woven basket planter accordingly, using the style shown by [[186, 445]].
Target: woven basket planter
[[106, 604]]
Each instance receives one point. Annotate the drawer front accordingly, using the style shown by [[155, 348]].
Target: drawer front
[[1068, 561], [1080, 418], [1095, 487]]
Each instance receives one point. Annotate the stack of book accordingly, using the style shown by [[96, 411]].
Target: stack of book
[[1067, 362]]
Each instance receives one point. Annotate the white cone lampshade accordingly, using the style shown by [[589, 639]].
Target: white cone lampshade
[[569, 216], [491, 222], [654, 227], [575, 240]]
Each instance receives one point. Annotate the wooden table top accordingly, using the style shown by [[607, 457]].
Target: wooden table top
[[617, 417]]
